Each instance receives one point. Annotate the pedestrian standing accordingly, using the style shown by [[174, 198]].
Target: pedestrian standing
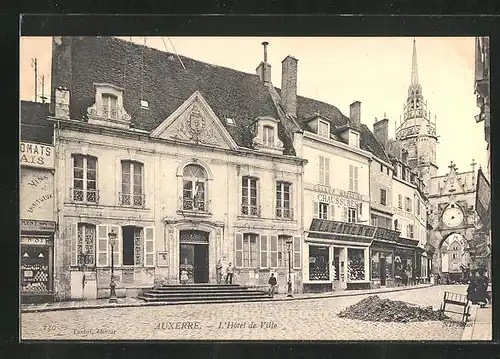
[[184, 276], [218, 270], [272, 284], [229, 273]]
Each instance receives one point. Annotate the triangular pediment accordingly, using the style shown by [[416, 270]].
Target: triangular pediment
[[195, 122]]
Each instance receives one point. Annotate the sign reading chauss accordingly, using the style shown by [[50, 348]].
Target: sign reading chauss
[[337, 196], [36, 155]]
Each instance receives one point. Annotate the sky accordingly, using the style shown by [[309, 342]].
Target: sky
[[338, 70]]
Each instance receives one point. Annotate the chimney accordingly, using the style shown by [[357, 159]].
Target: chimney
[[264, 68], [62, 102], [381, 132], [61, 75], [289, 85], [355, 114]]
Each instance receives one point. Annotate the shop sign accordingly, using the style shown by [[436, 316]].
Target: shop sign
[[338, 192], [386, 234], [37, 226], [36, 194], [483, 198], [342, 228], [36, 155], [40, 241]]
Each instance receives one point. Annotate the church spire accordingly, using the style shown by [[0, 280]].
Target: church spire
[[414, 66]]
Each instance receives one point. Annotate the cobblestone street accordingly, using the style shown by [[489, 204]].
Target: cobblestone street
[[311, 319]]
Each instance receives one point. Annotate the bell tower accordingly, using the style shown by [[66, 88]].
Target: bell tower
[[417, 132]]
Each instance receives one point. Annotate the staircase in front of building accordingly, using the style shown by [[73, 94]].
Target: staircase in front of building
[[203, 293]]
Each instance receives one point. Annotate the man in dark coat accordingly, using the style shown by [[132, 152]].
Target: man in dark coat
[[272, 284]]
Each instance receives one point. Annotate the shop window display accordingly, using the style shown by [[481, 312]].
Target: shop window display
[[34, 269], [356, 264], [375, 265], [319, 263]]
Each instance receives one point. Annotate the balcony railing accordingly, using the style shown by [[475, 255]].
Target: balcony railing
[[132, 199], [284, 212], [84, 196], [250, 210], [194, 205]]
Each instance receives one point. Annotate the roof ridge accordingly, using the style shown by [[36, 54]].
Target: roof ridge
[[182, 56]]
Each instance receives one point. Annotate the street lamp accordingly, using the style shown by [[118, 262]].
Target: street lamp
[[289, 249], [112, 284]]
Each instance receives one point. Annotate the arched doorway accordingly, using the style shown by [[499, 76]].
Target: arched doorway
[[453, 257], [193, 255]]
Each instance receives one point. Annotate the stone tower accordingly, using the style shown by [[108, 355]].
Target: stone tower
[[416, 132]]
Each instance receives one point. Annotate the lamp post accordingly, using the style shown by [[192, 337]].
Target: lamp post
[[289, 249], [112, 284]]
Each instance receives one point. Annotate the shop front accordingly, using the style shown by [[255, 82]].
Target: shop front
[[337, 256], [406, 268], [37, 226], [382, 257]]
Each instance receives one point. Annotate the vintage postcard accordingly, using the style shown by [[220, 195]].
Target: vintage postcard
[[271, 188]]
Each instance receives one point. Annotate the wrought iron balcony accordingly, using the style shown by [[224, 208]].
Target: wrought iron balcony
[[84, 196], [250, 210], [194, 205], [284, 212], [132, 199]]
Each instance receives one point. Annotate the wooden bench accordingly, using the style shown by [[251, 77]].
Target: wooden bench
[[458, 300]]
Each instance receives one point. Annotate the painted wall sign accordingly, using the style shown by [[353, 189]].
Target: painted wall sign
[[36, 155], [41, 241], [37, 226], [36, 194], [328, 198], [342, 228], [338, 192]]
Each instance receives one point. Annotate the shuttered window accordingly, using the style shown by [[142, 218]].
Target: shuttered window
[[149, 246], [264, 251], [296, 252]]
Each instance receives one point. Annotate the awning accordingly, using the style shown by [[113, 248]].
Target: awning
[[483, 199]]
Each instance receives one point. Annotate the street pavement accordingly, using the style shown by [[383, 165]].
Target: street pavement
[[310, 319]]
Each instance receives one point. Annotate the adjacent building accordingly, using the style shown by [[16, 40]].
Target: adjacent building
[[36, 204]]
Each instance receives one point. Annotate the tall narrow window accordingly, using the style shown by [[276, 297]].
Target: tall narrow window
[[268, 136], [324, 170], [133, 246], [85, 244], [283, 251], [323, 210], [410, 231], [352, 215], [353, 178], [109, 106], [194, 189], [323, 129], [85, 179], [400, 201], [132, 184], [283, 207], [250, 250], [249, 198], [383, 197]]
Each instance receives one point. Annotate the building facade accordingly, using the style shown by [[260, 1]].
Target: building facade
[[185, 172], [36, 204]]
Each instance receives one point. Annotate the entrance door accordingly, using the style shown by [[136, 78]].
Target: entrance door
[[193, 255], [382, 271]]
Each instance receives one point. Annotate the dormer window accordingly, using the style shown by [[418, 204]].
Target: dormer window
[[268, 136], [353, 139], [108, 109], [323, 129], [109, 106]]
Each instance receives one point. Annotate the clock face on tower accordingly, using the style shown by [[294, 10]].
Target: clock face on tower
[[453, 216]]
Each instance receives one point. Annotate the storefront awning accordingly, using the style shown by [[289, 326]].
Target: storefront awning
[[342, 228], [407, 242]]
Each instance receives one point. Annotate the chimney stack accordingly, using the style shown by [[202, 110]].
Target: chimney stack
[[355, 114], [264, 69], [289, 85], [62, 102], [381, 132]]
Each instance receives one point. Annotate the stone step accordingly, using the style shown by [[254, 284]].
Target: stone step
[[204, 299], [199, 290], [203, 293]]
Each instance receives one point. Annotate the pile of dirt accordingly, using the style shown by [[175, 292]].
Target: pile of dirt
[[376, 309]]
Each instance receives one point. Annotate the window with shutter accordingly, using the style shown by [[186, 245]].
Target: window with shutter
[[351, 177], [323, 210], [74, 240], [331, 212], [102, 245], [296, 252], [355, 179], [239, 249], [315, 209], [344, 216], [327, 171], [274, 251], [264, 252], [149, 246]]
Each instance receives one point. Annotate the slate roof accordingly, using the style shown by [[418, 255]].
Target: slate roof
[[308, 108], [165, 84], [34, 126]]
